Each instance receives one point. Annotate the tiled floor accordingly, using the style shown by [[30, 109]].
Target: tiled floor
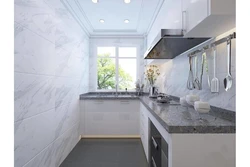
[[107, 153]]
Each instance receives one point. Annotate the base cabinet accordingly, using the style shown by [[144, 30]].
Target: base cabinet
[[187, 149], [144, 128], [162, 149], [111, 118]]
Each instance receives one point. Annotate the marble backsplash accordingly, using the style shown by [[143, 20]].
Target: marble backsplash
[[51, 70], [174, 75]]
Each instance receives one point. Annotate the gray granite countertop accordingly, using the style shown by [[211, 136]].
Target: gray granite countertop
[[177, 119], [109, 96]]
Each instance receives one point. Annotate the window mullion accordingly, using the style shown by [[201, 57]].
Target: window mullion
[[117, 67]]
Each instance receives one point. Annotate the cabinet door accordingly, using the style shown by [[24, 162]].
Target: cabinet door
[[111, 117], [144, 128], [100, 117], [169, 17], [194, 11], [82, 116], [128, 121]]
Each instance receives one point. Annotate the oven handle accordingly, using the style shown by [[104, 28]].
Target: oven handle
[[154, 143]]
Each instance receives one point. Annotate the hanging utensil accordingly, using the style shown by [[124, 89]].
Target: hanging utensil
[[203, 56], [228, 81], [215, 82], [196, 80], [206, 66], [190, 85]]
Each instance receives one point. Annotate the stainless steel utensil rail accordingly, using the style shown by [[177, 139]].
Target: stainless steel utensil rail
[[218, 42]]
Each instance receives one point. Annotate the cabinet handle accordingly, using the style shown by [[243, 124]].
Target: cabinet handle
[[124, 102], [98, 102], [153, 162], [184, 14], [154, 143]]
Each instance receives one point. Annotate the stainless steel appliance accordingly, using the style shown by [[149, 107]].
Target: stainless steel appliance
[[170, 43], [158, 148]]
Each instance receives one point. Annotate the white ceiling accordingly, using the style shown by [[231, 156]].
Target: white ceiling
[[141, 14]]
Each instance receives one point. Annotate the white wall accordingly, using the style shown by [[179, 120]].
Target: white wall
[[123, 41], [174, 75], [51, 70]]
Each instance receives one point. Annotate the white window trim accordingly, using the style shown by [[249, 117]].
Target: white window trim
[[117, 62]]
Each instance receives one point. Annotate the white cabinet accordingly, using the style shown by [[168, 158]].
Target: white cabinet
[[194, 12], [207, 18], [198, 18], [144, 130], [169, 17], [111, 118], [189, 149]]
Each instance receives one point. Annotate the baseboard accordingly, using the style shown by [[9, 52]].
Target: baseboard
[[110, 136]]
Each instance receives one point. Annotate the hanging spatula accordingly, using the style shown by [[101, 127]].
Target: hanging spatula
[[190, 85], [215, 82], [206, 68]]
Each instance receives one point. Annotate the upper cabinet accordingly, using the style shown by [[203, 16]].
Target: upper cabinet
[[198, 18], [169, 17], [207, 18], [193, 12]]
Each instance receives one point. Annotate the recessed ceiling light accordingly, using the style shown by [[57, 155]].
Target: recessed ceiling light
[[126, 21], [101, 21], [95, 1], [126, 1]]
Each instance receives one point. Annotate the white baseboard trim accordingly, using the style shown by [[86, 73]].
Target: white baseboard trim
[[110, 136]]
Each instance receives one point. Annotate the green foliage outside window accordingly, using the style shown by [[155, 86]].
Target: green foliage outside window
[[107, 72]]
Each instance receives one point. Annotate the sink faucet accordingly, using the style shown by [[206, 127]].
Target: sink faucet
[[116, 87]]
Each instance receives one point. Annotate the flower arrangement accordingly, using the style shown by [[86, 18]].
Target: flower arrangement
[[152, 73]]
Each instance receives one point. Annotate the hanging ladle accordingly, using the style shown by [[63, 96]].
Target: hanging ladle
[[228, 81]]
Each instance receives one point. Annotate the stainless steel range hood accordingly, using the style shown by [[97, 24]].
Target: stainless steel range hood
[[170, 43]]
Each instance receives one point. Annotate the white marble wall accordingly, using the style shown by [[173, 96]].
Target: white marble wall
[[174, 75], [122, 41], [51, 70]]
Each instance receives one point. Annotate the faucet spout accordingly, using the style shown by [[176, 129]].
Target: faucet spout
[[116, 87]]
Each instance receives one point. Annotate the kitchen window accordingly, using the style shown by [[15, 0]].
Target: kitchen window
[[116, 65]]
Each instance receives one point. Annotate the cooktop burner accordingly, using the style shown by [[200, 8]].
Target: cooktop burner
[[163, 98]]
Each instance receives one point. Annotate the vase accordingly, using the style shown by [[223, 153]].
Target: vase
[[152, 90]]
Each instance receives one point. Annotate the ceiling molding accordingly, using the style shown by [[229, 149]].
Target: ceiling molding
[[116, 36], [139, 14], [115, 30], [105, 31], [75, 16], [83, 13], [87, 27]]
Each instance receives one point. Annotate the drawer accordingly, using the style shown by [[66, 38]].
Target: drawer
[[156, 161], [155, 136], [100, 106], [128, 106]]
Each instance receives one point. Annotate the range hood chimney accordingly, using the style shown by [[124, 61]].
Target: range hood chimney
[[170, 43]]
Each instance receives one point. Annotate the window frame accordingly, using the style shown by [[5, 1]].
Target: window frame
[[117, 63]]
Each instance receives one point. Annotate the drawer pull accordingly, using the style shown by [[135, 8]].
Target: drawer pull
[[153, 162], [124, 102], [98, 102], [154, 143]]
